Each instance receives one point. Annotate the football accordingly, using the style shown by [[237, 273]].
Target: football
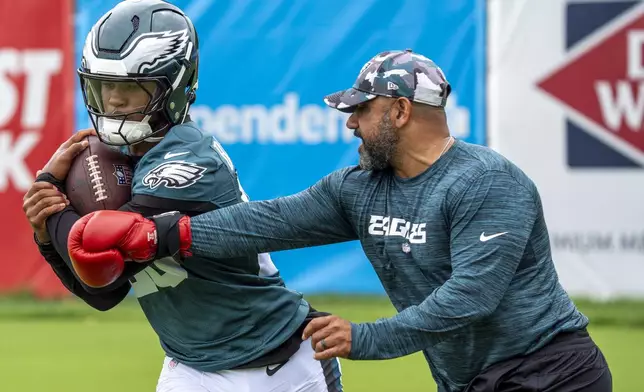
[[100, 178]]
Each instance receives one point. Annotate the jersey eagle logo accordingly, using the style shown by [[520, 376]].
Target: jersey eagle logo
[[174, 174]]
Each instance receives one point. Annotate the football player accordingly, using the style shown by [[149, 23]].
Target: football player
[[455, 232], [222, 328]]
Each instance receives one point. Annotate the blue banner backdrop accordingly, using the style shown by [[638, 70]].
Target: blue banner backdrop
[[265, 67]]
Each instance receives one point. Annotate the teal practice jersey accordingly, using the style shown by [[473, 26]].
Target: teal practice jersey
[[209, 314], [462, 250]]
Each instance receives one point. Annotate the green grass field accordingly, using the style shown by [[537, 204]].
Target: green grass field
[[69, 347]]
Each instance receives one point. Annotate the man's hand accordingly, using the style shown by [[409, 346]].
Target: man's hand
[[100, 242], [40, 202], [330, 337], [59, 163]]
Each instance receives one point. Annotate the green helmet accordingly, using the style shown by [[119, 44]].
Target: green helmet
[[139, 71]]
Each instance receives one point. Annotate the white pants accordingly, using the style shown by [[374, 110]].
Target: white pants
[[301, 373]]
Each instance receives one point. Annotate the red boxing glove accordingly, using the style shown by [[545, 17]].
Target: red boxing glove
[[100, 242]]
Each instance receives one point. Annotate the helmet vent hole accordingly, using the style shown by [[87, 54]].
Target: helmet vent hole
[[135, 22]]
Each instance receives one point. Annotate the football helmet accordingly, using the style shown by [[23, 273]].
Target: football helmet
[[138, 72]]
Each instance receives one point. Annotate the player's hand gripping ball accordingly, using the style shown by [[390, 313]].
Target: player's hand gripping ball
[[40, 202], [60, 162]]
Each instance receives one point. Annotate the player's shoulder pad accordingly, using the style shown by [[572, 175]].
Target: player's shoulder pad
[[182, 166]]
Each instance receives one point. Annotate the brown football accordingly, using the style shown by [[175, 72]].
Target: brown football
[[100, 178]]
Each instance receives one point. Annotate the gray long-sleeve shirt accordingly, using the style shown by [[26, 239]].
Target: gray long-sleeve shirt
[[462, 251]]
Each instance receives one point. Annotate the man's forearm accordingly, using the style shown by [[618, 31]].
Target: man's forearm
[[298, 221], [444, 313], [401, 335]]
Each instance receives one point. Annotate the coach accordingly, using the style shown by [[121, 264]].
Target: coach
[[455, 232]]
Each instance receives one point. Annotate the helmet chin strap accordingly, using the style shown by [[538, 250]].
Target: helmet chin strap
[[185, 112], [132, 130], [152, 139]]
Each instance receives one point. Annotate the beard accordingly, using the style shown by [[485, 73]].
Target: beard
[[377, 153]]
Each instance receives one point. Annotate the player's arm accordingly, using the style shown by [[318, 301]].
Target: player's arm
[[312, 217], [41, 201], [101, 301], [481, 270], [60, 224]]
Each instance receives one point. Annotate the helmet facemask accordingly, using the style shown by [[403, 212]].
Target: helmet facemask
[[122, 108]]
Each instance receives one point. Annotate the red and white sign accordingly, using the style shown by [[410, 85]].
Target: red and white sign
[[36, 115], [601, 82], [566, 104]]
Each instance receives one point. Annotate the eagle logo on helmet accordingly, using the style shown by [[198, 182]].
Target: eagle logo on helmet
[[146, 52], [152, 49], [174, 175]]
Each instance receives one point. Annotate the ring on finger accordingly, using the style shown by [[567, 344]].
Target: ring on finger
[[323, 344]]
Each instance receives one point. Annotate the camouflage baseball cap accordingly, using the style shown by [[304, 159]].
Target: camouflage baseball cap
[[395, 74]]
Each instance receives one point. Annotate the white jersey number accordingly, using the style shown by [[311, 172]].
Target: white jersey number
[[161, 274]]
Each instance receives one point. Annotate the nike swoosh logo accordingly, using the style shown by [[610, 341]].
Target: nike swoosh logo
[[175, 154], [271, 371], [485, 238]]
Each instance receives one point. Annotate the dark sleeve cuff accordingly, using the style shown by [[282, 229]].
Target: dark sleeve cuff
[[48, 251], [362, 342], [47, 177], [42, 244]]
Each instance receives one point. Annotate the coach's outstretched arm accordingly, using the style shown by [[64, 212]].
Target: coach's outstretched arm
[[491, 223], [309, 218], [312, 217]]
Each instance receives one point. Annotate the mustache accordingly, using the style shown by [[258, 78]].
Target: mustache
[[357, 133]]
